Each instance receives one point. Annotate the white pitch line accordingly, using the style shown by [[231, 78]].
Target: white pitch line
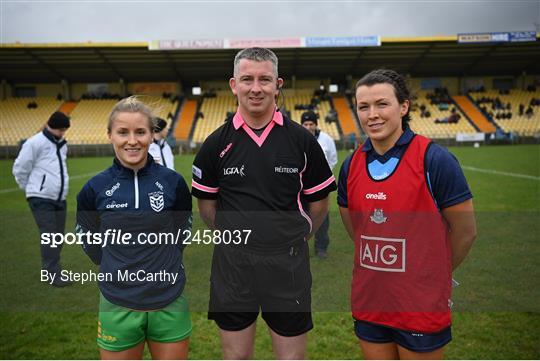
[[508, 174], [78, 176]]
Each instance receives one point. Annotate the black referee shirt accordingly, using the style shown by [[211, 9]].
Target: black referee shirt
[[263, 183]]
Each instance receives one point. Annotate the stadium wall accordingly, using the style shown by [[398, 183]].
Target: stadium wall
[[78, 89], [153, 88], [452, 84], [289, 84], [304, 83], [42, 89]]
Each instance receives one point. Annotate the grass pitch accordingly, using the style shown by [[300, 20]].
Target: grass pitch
[[496, 316]]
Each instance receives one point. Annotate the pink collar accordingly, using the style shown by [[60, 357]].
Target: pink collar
[[239, 122]]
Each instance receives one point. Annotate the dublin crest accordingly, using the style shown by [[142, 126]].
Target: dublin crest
[[378, 216], [156, 201]]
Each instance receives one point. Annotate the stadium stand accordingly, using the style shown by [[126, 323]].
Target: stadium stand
[[214, 110], [185, 121], [425, 114], [68, 107], [474, 114], [212, 114], [19, 121], [89, 122], [89, 118], [504, 110], [303, 97], [346, 117]]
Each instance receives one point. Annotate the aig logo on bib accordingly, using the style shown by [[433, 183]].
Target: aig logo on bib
[[382, 254]]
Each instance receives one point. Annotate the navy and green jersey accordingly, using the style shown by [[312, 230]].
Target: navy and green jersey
[[444, 176], [152, 201]]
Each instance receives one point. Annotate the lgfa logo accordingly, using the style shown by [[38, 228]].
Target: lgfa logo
[[379, 196], [234, 170]]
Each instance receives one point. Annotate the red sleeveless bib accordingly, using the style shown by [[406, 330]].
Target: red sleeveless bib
[[402, 262]]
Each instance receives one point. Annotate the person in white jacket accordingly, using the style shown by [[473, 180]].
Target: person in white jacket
[[41, 171], [160, 150], [310, 122]]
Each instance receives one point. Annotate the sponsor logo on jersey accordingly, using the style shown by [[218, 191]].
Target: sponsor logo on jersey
[[234, 170], [379, 196], [157, 201], [197, 172], [114, 205], [378, 216], [224, 151], [159, 186], [382, 254], [282, 169], [110, 192]]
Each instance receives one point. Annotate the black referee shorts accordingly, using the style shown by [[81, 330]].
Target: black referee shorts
[[243, 282]]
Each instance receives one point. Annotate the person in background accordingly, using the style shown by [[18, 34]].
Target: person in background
[[309, 120], [406, 204], [160, 150], [41, 171]]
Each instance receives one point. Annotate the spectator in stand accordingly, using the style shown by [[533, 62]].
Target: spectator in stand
[[521, 109], [454, 118], [331, 117], [529, 112]]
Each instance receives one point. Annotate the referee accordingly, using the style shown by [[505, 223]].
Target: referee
[[260, 172]]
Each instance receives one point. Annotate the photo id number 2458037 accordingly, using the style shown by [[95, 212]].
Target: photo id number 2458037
[[216, 236]]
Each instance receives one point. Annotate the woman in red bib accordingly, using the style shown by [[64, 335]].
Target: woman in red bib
[[406, 204]]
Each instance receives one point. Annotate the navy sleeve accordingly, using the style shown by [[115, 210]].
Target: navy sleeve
[[204, 182], [318, 179], [183, 207], [342, 182], [88, 221], [445, 177]]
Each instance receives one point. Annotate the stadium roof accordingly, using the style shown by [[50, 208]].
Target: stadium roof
[[108, 62]]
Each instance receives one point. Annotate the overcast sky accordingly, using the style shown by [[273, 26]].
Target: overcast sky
[[126, 21]]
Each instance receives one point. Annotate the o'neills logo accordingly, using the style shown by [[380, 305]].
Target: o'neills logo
[[281, 169], [380, 196], [114, 205], [224, 151], [110, 192]]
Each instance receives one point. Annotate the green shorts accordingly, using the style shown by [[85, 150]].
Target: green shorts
[[121, 328]]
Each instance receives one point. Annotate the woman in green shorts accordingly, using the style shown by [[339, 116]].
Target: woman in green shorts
[[127, 211]]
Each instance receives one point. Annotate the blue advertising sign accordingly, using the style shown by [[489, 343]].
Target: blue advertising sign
[[500, 37], [518, 36], [346, 41]]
